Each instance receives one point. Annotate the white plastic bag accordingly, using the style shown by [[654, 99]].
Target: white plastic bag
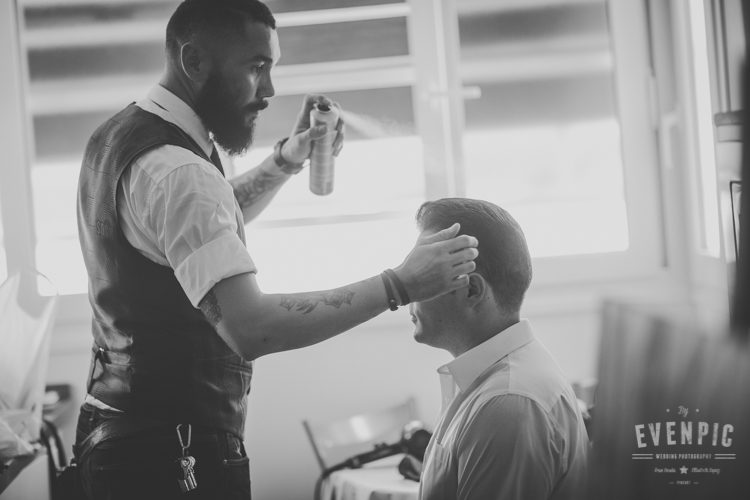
[[15, 434], [26, 319]]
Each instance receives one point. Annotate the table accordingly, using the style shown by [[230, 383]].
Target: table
[[26, 478], [376, 481]]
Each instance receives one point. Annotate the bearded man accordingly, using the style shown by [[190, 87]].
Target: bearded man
[[178, 316]]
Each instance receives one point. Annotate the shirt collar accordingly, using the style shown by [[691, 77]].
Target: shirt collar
[[171, 108], [467, 367]]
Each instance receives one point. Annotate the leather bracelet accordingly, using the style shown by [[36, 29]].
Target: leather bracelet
[[392, 303], [284, 165], [399, 286]]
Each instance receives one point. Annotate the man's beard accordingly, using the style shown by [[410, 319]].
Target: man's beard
[[224, 118]]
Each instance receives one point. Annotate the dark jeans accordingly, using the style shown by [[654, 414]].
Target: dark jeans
[[143, 467]]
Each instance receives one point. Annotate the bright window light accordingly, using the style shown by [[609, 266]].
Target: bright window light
[[3, 261], [562, 182], [709, 205]]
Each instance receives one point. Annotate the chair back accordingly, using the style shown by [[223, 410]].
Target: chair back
[[337, 440], [672, 409]]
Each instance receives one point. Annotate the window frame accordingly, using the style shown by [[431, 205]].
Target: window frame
[[15, 133], [708, 269], [442, 109], [439, 91]]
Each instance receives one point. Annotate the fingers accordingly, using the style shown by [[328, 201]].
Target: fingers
[[303, 118], [442, 235], [465, 254], [465, 268], [310, 100], [338, 142], [460, 243], [460, 281], [321, 99], [316, 132], [439, 263], [461, 261], [303, 121]]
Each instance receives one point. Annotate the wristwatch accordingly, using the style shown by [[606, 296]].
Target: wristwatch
[[285, 166]]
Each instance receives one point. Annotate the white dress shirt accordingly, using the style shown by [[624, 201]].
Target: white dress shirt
[[178, 210], [510, 427]]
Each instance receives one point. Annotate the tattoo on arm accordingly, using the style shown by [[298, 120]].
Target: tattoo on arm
[[307, 304], [211, 309], [248, 189]]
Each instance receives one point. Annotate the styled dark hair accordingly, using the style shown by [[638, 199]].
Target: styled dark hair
[[504, 259], [217, 18]]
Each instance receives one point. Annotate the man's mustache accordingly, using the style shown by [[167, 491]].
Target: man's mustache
[[257, 106]]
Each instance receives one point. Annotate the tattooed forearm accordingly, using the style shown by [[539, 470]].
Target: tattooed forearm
[[307, 304], [211, 309], [251, 186]]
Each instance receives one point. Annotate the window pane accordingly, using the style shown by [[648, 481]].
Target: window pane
[[96, 61], [375, 113], [543, 140], [118, 63], [294, 259], [379, 170], [279, 6], [58, 253], [333, 42], [379, 184], [708, 212], [3, 262]]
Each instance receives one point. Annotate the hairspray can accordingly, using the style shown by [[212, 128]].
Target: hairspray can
[[321, 158]]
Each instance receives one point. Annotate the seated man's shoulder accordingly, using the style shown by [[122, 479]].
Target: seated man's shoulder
[[506, 406], [545, 385], [514, 412], [516, 421]]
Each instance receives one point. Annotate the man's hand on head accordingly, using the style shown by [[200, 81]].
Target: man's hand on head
[[438, 264], [297, 149]]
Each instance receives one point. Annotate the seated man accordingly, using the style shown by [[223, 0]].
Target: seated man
[[510, 426]]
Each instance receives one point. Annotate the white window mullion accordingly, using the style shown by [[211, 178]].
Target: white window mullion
[[15, 134], [438, 101], [633, 80]]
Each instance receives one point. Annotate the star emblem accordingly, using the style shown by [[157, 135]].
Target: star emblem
[[683, 470]]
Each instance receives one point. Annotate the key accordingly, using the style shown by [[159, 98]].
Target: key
[[186, 463], [187, 481]]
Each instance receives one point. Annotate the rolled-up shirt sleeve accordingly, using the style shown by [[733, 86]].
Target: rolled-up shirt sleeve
[[193, 212]]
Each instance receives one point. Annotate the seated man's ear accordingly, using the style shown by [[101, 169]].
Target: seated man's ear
[[477, 289]]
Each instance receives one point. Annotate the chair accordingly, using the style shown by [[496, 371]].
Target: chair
[[335, 441], [657, 369]]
